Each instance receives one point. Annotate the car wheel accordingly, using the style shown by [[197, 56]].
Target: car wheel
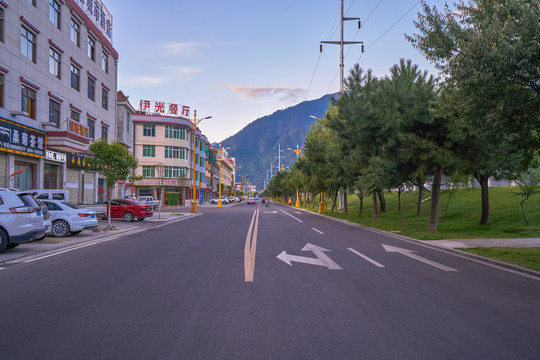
[[3, 240], [76, 232], [140, 219], [60, 228], [128, 216]]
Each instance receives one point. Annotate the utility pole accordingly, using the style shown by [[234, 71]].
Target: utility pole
[[341, 43]]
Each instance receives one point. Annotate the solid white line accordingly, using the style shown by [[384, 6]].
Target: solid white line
[[366, 258], [295, 218], [319, 231], [250, 248]]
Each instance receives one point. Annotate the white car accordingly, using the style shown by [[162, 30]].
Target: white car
[[21, 219], [68, 218]]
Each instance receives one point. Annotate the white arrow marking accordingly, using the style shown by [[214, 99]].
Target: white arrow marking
[[366, 258], [410, 254], [321, 260]]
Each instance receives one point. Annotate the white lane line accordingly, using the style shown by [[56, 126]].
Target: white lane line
[[319, 231], [250, 247], [366, 258], [295, 218]]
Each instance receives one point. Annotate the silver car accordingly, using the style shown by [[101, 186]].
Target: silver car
[[21, 219], [68, 218]]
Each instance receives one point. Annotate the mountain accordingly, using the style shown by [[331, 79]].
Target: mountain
[[256, 146]]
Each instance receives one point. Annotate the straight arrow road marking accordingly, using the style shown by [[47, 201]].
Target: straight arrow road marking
[[321, 260], [250, 248], [366, 258], [410, 254]]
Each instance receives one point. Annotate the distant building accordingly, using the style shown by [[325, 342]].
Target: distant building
[[58, 81]]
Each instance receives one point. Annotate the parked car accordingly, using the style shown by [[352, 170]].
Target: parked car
[[149, 200], [251, 200], [46, 219], [50, 194], [216, 200], [128, 210], [68, 218], [21, 219]]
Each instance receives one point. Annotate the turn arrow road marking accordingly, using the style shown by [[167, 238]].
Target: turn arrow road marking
[[410, 254], [321, 260]]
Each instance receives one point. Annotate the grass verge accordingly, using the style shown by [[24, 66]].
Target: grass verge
[[525, 257]]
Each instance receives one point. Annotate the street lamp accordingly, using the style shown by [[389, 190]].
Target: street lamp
[[297, 151], [195, 122], [220, 150]]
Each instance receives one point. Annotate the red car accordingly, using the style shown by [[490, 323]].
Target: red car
[[251, 200], [129, 209]]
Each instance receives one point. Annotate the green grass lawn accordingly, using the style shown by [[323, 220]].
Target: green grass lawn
[[460, 222], [506, 220]]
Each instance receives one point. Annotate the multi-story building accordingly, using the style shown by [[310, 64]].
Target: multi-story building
[[124, 135], [58, 81]]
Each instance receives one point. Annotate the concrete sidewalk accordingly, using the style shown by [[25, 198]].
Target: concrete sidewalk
[[470, 243]]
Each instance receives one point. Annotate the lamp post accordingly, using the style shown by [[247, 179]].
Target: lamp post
[[195, 122], [297, 151]]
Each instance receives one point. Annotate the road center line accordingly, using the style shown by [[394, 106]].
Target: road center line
[[319, 231], [250, 247], [366, 258], [295, 218]]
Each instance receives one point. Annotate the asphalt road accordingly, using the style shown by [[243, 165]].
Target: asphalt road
[[220, 286]]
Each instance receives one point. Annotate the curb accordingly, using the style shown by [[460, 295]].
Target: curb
[[463, 254]]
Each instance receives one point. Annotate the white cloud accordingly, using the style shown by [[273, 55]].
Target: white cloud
[[181, 48], [284, 93]]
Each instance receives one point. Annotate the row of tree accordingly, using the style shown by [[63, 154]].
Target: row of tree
[[480, 118]]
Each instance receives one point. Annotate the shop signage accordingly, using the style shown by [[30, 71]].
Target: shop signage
[[162, 108], [55, 156], [161, 182], [20, 139], [99, 15], [78, 161], [76, 128]]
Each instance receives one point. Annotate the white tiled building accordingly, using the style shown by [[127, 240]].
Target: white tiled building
[[58, 85]]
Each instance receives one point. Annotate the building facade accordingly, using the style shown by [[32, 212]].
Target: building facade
[[58, 83]]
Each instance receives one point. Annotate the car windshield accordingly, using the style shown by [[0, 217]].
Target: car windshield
[[138, 202], [141, 198]]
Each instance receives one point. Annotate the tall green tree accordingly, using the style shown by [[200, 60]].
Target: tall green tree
[[488, 52], [115, 162]]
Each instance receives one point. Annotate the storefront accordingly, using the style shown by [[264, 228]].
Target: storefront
[[84, 183], [53, 170]]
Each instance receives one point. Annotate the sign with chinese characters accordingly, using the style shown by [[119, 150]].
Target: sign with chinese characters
[[160, 182], [162, 108], [78, 161], [100, 16], [56, 156], [20, 139], [76, 128]]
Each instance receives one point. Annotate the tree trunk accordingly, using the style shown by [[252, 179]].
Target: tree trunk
[[382, 200], [399, 206], [374, 204], [345, 206], [420, 197], [361, 198], [334, 201], [434, 204], [313, 198], [483, 180]]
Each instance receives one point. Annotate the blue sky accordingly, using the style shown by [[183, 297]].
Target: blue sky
[[239, 60]]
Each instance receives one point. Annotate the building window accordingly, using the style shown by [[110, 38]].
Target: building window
[[75, 115], [183, 171], [104, 132], [91, 89], [54, 62], [54, 13], [33, 2], [75, 77], [182, 153], [1, 90], [128, 122], [75, 32], [172, 171], [54, 112], [91, 49], [28, 44], [91, 129], [1, 25], [149, 150], [172, 152], [28, 101], [172, 132], [105, 98], [149, 130], [148, 171], [105, 62]]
